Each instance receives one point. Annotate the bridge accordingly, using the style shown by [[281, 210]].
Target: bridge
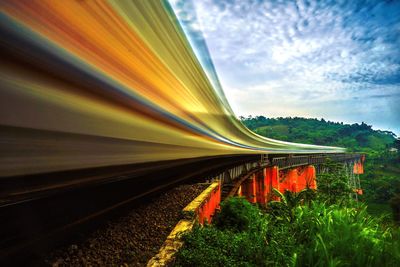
[[110, 101], [256, 180]]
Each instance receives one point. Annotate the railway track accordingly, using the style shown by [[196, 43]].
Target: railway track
[[38, 213], [132, 238]]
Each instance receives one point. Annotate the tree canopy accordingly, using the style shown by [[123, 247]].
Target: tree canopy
[[354, 137]]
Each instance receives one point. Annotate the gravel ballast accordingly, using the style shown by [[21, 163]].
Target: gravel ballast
[[132, 239]]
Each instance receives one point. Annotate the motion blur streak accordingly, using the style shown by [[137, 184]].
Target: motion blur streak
[[100, 83]]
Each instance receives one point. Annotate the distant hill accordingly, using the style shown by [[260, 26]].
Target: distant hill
[[354, 137]]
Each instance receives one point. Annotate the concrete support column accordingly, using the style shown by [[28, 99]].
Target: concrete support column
[[311, 175], [288, 180], [261, 187], [358, 167], [306, 178], [292, 177], [249, 189], [271, 181]]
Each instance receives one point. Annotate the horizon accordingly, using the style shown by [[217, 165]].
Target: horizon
[[339, 62]]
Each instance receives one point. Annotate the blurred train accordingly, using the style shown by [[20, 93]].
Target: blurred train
[[103, 83]]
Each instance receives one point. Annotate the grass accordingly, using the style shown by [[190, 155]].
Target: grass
[[315, 235]]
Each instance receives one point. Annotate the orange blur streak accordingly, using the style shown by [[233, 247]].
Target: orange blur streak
[[119, 51]]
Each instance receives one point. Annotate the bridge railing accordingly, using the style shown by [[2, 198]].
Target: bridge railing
[[294, 161]]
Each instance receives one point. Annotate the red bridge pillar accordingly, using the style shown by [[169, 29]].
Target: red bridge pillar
[[265, 181], [358, 167], [306, 178], [297, 179], [258, 188], [288, 180], [248, 189], [271, 181], [261, 187]]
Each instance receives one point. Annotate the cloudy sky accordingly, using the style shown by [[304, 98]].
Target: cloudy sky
[[339, 61]]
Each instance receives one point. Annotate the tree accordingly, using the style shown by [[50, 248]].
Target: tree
[[333, 183]]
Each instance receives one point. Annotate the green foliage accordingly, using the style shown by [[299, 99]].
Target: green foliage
[[354, 137], [380, 210], [317, 235], [381, 180], [333, 183], [209, 246], [237, 215], [284, 209], [346, 236], [237, 238]]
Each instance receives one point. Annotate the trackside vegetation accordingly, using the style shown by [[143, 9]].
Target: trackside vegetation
[[316, 236], [308, 228]]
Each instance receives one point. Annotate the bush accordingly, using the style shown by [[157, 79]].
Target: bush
[[238, 215], [333, 183], [209, 246], [237, 238]]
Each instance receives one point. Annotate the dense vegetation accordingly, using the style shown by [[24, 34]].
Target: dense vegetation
[[317, 235], [354, 137], [381, 181], [304, 229]]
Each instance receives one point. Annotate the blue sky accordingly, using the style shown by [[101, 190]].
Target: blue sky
[[339, 60]]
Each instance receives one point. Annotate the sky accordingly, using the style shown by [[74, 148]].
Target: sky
[[338, 60]]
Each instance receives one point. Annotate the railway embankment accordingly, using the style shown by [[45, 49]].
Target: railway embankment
[[133, 239]]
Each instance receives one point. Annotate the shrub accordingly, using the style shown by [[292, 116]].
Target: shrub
[[238, 215], [209, 246], [237, 238], [333, 183]]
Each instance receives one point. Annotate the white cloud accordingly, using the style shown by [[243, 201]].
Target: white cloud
[[304, 58]]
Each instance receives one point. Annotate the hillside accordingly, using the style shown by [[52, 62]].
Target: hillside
[[354, 137]]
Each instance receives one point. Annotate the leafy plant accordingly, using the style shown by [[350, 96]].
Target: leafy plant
[[333, 183], [237, 215], [284, 209]]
